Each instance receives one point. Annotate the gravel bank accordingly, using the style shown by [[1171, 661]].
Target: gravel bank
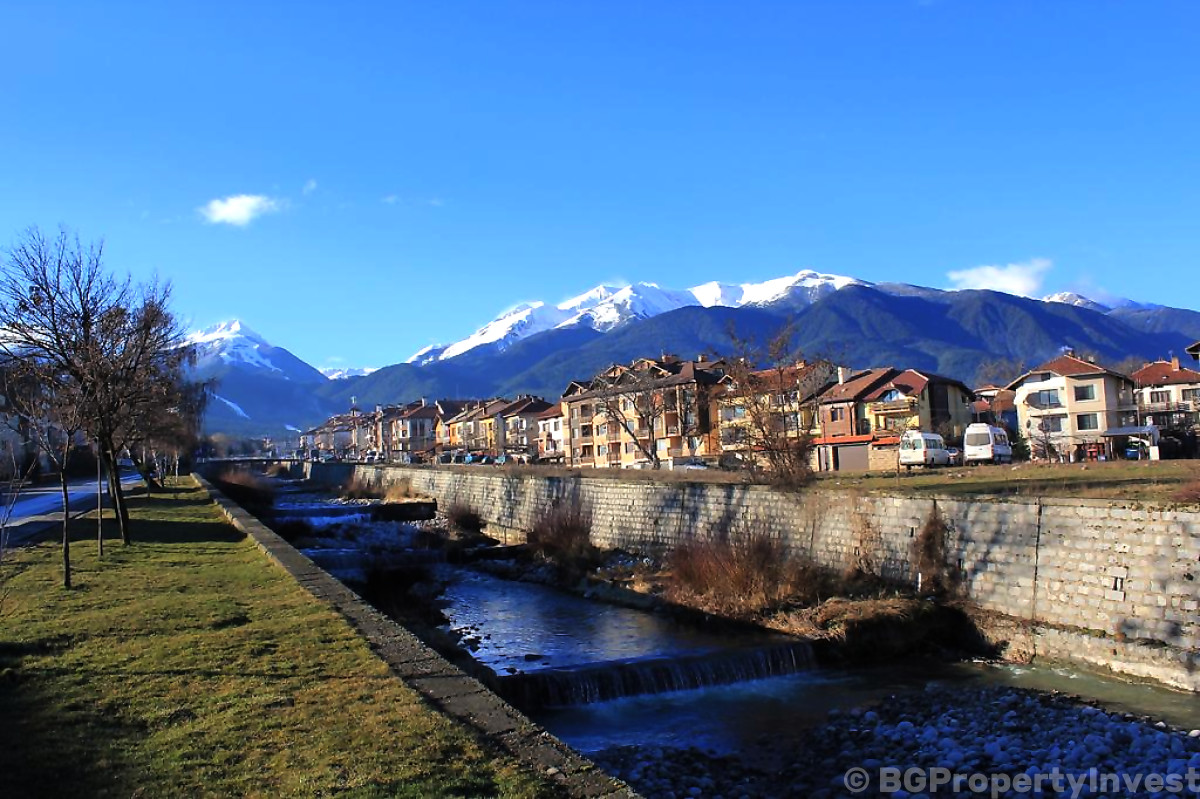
[[987, 731]]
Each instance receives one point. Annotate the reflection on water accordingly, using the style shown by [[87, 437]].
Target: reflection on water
[[522, 627]]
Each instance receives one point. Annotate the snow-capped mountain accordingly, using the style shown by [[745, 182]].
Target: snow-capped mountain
[[605, 308], [233, 345], [1078, 300], [254, 386], [336, 373]]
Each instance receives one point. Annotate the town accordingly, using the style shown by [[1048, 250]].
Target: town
[[709, 412]]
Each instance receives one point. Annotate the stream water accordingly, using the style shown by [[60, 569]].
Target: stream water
[[522, 630]]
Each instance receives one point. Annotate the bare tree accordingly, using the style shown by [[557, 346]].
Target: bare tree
[[116, 342], [634, 399], [52, 407], [771, 401]]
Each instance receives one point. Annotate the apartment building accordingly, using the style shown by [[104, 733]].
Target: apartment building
[[550, 433], [1066, 405], [651, 410], [1168, 394]]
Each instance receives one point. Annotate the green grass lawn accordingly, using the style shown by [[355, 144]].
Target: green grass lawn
[[187, 664]]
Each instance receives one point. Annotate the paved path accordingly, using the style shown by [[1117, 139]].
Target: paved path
[[39, 507]]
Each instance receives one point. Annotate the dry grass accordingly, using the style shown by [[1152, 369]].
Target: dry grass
[[563, 535], [401, 489], [253, 492], [357, 488], [1188, 493], [743, 577], [464, 518], [1145, 481]]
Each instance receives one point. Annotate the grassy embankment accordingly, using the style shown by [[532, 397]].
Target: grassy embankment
[[188, 664], [1145, 481]]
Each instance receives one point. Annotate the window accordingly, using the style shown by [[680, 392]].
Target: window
[[1084, 393], [1160, 397], [602, 449], [837, 414], [1049, 424], [1047, 398], [891, 395], [1191, 395], [1087, 421]]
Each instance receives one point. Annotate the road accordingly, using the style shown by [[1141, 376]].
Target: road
[[40, 507]]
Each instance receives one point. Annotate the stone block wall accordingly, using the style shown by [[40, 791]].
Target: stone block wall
[[1113, 583]]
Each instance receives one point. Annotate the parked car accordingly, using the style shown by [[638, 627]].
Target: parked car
[[954, 456], [985, 443], [922, 449], [688, 463]]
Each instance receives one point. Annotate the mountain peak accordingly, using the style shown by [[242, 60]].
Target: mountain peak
[[226, 331], [1078, 300]]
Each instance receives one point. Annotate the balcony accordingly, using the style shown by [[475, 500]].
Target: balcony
[[906, 406], [1167, 407]]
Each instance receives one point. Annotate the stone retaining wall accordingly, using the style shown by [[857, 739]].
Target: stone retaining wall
[[1108, 583]]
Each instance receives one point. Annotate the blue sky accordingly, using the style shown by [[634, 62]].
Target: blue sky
[[357, 180]]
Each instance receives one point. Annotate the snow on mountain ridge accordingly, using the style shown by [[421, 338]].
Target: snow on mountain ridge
[[1078, 300], [232, 342], [340, 373], [604, 308]]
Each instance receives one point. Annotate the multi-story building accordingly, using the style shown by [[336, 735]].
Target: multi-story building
[[770, 407], [645, 412], [1065, 406], [1168, 395], [550, 433], [520, 425], [863, 414]]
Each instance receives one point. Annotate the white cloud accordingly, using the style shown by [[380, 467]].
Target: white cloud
[[390, 199], [310, 186], [239, 209], [1024, 279]]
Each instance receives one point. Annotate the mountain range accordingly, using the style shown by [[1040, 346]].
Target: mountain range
[[539, 348]]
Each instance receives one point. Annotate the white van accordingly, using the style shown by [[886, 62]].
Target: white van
[[985, 443], [923, 449]]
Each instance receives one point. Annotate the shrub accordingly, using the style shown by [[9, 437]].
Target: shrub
[[464, 518], [354, 488], [929, 555], [746, 576], [563, 535], [401, 489], [253, 492]]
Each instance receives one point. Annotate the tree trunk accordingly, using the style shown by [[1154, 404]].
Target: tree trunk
[[120, 509], [99, 504], [66, 538]]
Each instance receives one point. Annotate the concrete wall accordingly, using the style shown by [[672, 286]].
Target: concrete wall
[[1114, 584]]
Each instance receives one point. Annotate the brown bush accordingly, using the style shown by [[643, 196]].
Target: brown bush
[[354, 488], [401, 489], [563, 535], [464, 518], [253, 492], [746, 576], [929, 555]]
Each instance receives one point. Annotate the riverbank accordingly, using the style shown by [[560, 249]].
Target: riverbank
[[189, 664], [1001, 734]]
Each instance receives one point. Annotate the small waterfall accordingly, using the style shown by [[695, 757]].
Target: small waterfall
[[599, 682]]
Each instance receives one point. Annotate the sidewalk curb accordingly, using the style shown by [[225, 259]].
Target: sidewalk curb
[[442, 684]]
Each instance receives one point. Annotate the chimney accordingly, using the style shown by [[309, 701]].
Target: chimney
[[1175, 363], [1091, 359], [701, 358], [843, 372]]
